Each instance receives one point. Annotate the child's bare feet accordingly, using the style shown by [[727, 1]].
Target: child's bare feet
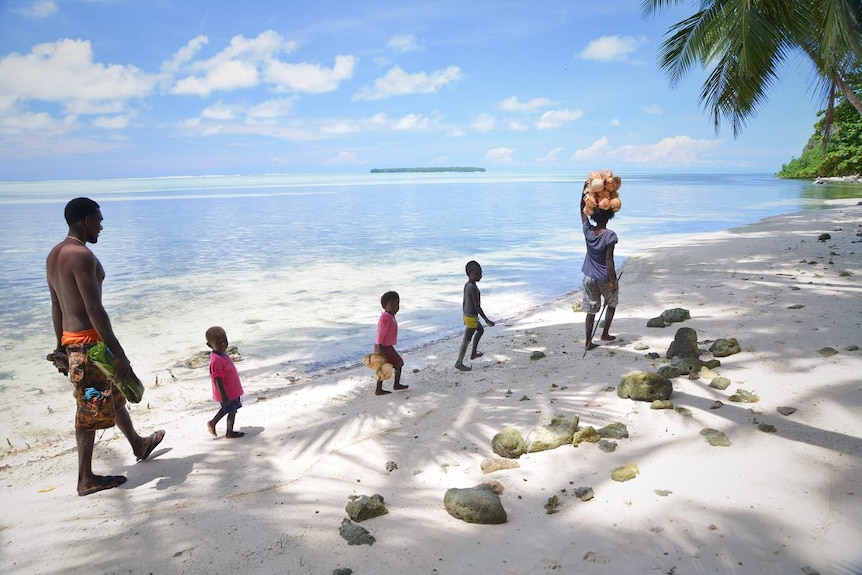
[[211, 428], [399, 387], [382, 392], [476, 354], [234, 434], [462, 367]]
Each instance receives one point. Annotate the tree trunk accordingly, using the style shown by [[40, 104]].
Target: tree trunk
[[848, 92]]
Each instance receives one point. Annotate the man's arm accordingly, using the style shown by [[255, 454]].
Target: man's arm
[[609, 264], [84, 270], [583, 205]]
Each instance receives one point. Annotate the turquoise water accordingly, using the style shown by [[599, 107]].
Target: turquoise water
[[293, 265]]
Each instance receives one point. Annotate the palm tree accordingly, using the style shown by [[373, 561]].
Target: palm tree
[[743, 42]]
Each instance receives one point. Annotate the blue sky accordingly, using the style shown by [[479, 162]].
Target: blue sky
[[138, 88]]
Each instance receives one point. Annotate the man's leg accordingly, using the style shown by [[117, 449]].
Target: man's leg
[[141, 446], [465, 342], [588, 331], [480, 331], [87, 481], [609, 317]]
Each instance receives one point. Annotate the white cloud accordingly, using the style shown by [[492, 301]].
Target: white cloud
[[403, 43], [219, 111], [594, 151], [676, 152], [38, 9], [556, 118], [500, 155], [64, 72], [340, 128], [513, 104], [551, 156], [615, 122], [397, 82], [271, 110], [310, 78], [651, 109], [518, 127], [236, 66], [456, 133], [225, 77], [345, 158], [483, 123], [413, 122], [111, 122], [612, 48]]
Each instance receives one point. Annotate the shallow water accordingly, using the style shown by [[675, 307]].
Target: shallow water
[[293, 266]]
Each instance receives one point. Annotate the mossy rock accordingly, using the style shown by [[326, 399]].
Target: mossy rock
[[644, 386]]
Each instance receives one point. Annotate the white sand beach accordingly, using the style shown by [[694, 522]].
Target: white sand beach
[[782, 502]]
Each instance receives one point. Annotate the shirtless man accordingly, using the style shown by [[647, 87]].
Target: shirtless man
[[75, 278]]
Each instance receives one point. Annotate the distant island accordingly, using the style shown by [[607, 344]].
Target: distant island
[[429, 169]]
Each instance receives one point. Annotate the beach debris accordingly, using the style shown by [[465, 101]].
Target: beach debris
[[202, 358], [391, 466], [686, 365], [625, 472], [693, 375], [662, 492], [715, 437], [744, 396], [719, 382], [362, 507], [584, 493], [493, 464], [537, 355], [593, 557], [524, 398], [716, 404], [644, 386], [479, 504], [342, 571], [851, 348], [796, 306], [684, 344], [355, 534], [509, 443], [607, 446], [614, 430], [560, 431], [661, 404], [641, 346], [767, 428], [810, 571], [683, 411], [669, 371], [707, 373], [553, 505], [587, 434], [724, 347], [786, 410], [845, 274], [823, 237], [827, 351], [675, 315], [711, 363], [652, 355]]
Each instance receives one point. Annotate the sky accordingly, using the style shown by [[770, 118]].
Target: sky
[[95, 89]]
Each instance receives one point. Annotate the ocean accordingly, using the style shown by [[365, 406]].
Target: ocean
[[293, 266]]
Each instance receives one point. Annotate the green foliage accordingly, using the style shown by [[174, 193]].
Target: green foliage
[[844, 154]]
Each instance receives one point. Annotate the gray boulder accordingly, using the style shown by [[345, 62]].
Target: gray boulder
[[724, 347], [480, 504], [355, 534], [614, 430], [644, 386], [684, 344], [559, 432], [674, 315], [686, 365], [509, 443], [362, 507], [669, 371]]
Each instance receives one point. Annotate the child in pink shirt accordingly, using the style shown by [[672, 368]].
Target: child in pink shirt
[[387, 336], [226, 385]]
